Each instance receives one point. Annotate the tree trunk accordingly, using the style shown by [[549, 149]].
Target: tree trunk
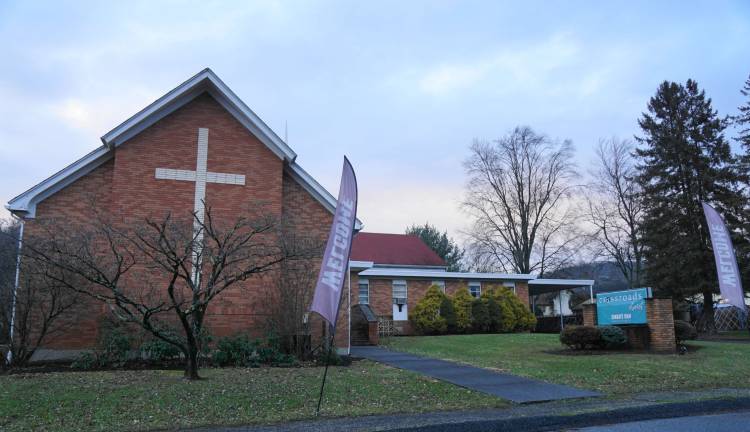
[[709, 324], [191, 365]]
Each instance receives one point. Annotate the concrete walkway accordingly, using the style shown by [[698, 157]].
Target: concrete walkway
[[506, 386]]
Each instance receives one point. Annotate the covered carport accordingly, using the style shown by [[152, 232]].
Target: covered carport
[[558, 292]]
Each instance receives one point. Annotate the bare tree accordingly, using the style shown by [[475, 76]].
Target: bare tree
[[519, 194], [160, 274], [32, 307], [293, 293], [614, 208]]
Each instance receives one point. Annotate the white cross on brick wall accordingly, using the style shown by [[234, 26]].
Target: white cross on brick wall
[[200, 176]]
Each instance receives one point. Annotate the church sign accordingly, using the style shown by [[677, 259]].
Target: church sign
[[622, 307]]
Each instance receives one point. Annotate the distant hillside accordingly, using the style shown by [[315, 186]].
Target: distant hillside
[[607, 275]]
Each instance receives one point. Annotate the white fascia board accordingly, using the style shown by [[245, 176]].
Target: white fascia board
[[440, 274], [204, 81], [24, 205], [562, 282], [315, 189], [360, 265]]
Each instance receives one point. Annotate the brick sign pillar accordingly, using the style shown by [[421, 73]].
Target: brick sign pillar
[[589, 314], [661, 324], [660, 334]]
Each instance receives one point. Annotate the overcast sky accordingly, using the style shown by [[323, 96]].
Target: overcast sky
[[400, 87]]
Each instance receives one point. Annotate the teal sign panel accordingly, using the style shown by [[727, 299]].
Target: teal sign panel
[[622, 307]]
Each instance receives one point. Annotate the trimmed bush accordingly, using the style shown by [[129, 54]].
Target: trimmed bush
[[683, 331], [513, 315], [447, 312], [157, 350], [236, 350], [239, 350], [426, 316], [581, 337], [494, 314], [462, 308], [113, 347], [480, 318], [613, 337]]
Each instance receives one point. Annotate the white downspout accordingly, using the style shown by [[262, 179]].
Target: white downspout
[[9, 356]]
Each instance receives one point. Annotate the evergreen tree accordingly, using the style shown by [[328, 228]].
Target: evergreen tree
[[495, 313], [480, 318], [439, 242], [448, 314], [684, 160], [742, 121], [462, 309]]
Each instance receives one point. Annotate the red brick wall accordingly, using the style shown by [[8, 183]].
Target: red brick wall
[[72, 205], [129, 190]]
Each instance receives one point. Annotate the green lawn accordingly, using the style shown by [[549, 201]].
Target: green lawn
[[709, 365], [139, 400]]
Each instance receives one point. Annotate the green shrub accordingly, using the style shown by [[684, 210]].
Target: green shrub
[[683, 331], [334, 359], [113, 346], [239, 350], [613, 337], [462, 308], [236, 350], [581, 337], [510, 314], [447, 312], [158, 350], [494, 314], [85, 361], [426, 315], [480, 318]]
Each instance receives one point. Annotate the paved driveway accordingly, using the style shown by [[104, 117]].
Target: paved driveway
[[503, 385]]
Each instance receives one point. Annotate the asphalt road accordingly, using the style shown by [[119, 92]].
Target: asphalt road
[[732, 422]]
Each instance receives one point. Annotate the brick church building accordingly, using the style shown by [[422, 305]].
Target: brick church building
[[199, 143]]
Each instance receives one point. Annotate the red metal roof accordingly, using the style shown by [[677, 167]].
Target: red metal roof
[[398, 249]]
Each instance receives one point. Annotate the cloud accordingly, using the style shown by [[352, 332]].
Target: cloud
[[510, 67]]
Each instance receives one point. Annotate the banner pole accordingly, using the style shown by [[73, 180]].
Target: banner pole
[[325, 372]]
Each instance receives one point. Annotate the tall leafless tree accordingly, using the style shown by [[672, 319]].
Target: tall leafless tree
[[144, 271], [519, 196], [614, 208], [33, 307]]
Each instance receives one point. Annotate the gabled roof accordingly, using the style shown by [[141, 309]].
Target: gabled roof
[[394, 249], [205, 81]]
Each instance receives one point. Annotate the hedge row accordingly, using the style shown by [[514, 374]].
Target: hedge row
[[496, 311]]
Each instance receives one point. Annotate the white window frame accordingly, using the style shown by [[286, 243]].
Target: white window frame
[[440, 283], [478, 285], [366, 284], [399, 283], [511, 285]]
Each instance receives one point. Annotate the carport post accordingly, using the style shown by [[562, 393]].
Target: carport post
[[559, 303]]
